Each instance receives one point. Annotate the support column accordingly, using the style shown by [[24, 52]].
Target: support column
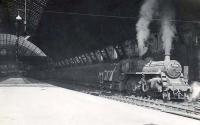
[[87, 59], [74, 62], [101, 55], [83, 59], [107, 55], [118, 53], [198, 62], [123, 51], [92, 58], [96, 57]]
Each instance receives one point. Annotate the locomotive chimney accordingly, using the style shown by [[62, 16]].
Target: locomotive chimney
[[167, 57]]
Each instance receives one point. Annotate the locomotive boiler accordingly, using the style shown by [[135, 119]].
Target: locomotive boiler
[[157, 79]]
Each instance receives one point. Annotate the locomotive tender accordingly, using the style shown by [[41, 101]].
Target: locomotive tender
[[157, 79]]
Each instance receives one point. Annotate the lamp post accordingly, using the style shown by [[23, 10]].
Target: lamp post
[[18, 20], [25, 3]]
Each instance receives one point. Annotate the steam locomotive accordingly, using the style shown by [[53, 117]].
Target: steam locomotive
[[142, 77], [156, 79]]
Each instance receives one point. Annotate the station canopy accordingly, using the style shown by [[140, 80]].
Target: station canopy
[[25, 47], [70, 29], [34, 9], [30, 11]]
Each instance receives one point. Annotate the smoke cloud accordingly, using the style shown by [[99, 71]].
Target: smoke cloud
[[168, 28], [195, 91], [142, 27]]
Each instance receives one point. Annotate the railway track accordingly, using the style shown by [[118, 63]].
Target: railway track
[[186, 109], [189, 110]]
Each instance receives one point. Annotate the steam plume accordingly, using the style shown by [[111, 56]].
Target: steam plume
[[195, 91], [142, 27], [168, 28]]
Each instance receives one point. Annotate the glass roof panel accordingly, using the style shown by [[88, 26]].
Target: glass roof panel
[[33, 11], [8, 40]]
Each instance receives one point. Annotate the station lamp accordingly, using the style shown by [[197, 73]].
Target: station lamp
[[18, 18]]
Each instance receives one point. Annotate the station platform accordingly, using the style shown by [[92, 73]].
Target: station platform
[[46, 104]]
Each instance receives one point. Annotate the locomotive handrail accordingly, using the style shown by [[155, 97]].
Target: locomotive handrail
[[153, 73]]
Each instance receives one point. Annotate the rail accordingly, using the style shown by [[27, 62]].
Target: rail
[[189, 111]]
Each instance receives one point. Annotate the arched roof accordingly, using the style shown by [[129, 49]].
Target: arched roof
[[33, 13], [26, 48]]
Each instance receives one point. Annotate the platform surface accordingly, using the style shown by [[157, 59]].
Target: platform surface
[[51, 105]]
